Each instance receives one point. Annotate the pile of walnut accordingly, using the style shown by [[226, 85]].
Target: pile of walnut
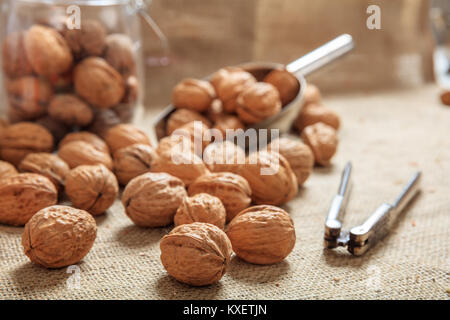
[[66, 79], [198, 198]]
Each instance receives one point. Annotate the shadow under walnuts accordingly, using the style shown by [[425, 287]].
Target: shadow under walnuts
[[240, 270], [171, 289], [132, 236]]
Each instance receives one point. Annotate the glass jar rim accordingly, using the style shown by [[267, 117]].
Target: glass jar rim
[[78, 2]]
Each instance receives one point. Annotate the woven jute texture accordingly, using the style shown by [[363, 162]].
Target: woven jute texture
[[387, 137]]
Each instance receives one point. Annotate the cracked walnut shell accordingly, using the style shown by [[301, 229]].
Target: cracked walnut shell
[[24, 194], [48, 165], [59, 236], [262, 234], [47, 51], [23, 138], [313, 113], [193, 94], [258, 102], [183, 116], [323, 141], [7, 169], [298, 154], [132, 161], [197, 254], [152, 199], [88, 137], [98, 83], [232, 189], [124, 135], [78, 153], [92, 188], [70, 110], [201, 207], [270, 177], [286, 83]]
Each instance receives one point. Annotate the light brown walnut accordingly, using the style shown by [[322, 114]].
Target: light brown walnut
[[98, 83], [270, 177], [124, 135], [15, 62], [132, 161], [47, 51], [258, 102], [223, 156], [7, 169], [24, 194], [131, 90], [298, 154], [232, 189], [262, 234], [323, 141], [78, 153], [88, 137], [198, 133], [286, 83], [312, 113], [177, 143], [311, 95], [28, 97], [183, 116], [201, 207], [88, 40], [152, 199], [46, 164], [59, 236], [70, 110], [120, 55], [228, 122], [229, 83], [193, 94], [92, 188], [215, 112], [197, 254], [22, 138]]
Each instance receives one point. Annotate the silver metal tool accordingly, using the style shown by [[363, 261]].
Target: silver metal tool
[[361, 238]]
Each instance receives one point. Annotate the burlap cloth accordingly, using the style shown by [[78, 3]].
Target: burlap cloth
[[386, 136]]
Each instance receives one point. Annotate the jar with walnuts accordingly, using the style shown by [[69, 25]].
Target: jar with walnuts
[[89, 64], [197, 254]]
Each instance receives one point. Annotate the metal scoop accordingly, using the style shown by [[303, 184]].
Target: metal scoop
[[300, 68]]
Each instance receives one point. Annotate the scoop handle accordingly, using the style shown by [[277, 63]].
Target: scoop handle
[[321, 56]]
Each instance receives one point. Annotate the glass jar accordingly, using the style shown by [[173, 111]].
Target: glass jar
[[71, 65]]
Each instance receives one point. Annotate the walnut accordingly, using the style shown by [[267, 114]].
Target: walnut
[[120, 54], [228, 122], [78, 153], [132, 161], [312, 113], [88, 137], [23, 195], [56, 128], [270, 177], [183, 116], [197, 254], [124, 135], [152, 199], [15, 62], [286, 83], [311, 95], [29, 96], [323, 141], [258, 102], [178, 143], [298, 154], [89, 40], [445, 97], [193, 94], [70, 110], [201, 207], [59, 236], [184, 165], [103, 121], [215, 112], [232, 189], [262, 234], [7, 169], [47, 51], [198, 133], [131, 90], [48, 165], [223, 156], [22, 138], [92, 188], [229, 83], [98, 83]]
